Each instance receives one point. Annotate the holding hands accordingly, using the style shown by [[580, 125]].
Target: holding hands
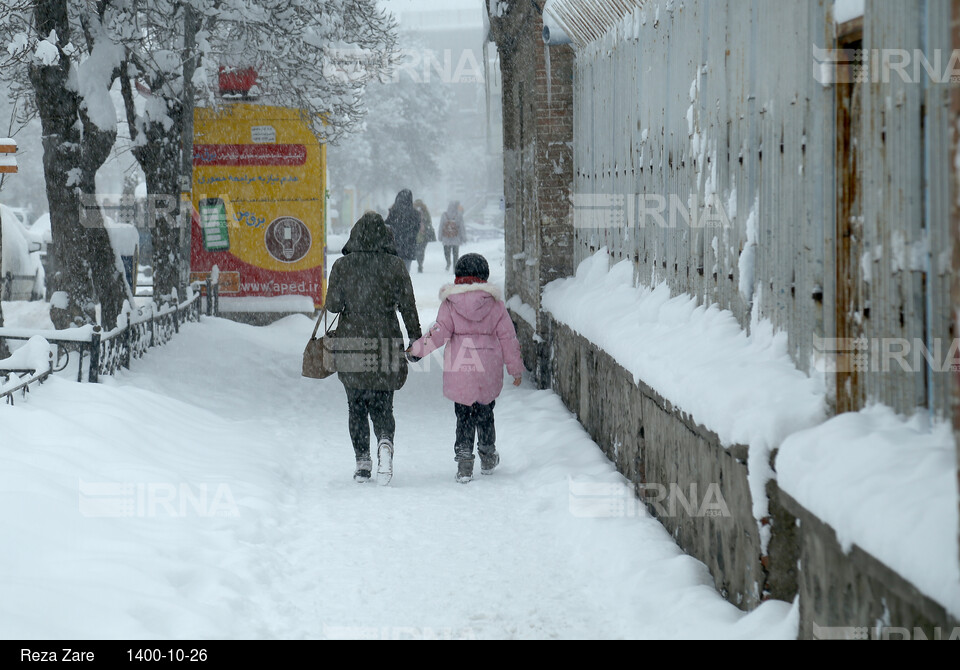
[[517, 381]]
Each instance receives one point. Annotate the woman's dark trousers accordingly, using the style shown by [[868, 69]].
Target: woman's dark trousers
[[378, 407]]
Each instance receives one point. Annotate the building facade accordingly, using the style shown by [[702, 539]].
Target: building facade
[[781, 162]]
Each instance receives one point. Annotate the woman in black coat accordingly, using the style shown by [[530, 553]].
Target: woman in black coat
[[367, 287], [404, 221]]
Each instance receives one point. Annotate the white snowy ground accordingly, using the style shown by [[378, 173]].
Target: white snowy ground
[[207, 493]]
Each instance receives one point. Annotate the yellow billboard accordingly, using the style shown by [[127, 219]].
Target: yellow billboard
[[259, 198]]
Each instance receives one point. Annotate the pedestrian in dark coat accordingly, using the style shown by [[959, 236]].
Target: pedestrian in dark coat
[[426, 234], [452, 233], [404, 221], [367, 287]]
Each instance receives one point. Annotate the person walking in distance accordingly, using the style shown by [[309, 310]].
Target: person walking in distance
[[426, 234], [453, 233], [404, 221]]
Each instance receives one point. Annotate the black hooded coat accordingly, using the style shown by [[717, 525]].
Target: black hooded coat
[[404, 221], [367, 287]]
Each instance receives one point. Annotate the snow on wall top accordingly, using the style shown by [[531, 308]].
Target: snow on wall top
[[888, 485], [745, 388]]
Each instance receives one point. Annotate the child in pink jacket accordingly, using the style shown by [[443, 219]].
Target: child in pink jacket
[[480, 338]]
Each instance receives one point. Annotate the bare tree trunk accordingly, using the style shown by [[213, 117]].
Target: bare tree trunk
[[84, 265], [109, 282], [158, 152], [58, 108], [160, 161]]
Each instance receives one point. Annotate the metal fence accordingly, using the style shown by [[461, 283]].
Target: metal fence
[[23, 380], [746, 153], [102, 353]]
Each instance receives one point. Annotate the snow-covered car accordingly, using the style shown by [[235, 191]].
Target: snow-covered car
[[21, 269]]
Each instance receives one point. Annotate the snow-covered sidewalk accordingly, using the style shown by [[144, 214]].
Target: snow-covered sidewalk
[[207, 493]]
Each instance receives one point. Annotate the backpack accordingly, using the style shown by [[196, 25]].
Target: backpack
[[450, 229]]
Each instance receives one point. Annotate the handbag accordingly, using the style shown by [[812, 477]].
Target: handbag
[[318, 356]]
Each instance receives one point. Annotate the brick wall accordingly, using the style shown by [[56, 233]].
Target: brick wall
[[538, 165]]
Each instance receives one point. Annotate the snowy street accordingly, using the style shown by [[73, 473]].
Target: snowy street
[[207, 493]]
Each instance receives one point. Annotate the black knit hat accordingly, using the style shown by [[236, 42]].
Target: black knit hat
[[472, 265]]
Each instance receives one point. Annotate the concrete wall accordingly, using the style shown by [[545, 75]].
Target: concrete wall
[[854, 596], [663, 451]]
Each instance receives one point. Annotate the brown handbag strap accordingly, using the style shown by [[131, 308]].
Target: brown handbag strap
[[323, 318]]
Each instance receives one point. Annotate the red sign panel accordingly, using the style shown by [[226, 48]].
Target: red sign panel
[[250, 154]]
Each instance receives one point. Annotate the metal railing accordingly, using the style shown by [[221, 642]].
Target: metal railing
[[106, 352], [25, 377]]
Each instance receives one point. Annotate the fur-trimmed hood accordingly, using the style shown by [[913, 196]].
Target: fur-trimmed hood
[[472, 301], [458, 289]]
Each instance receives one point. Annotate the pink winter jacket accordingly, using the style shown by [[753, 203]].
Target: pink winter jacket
[[480, 338]]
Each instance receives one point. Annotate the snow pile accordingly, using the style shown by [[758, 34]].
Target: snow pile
[[523, 310], [27, 315], [27, 364], [121, 522], [745, 388], [273, 305], [46, 52], [34, 355], [124, 237], [888, 485]]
